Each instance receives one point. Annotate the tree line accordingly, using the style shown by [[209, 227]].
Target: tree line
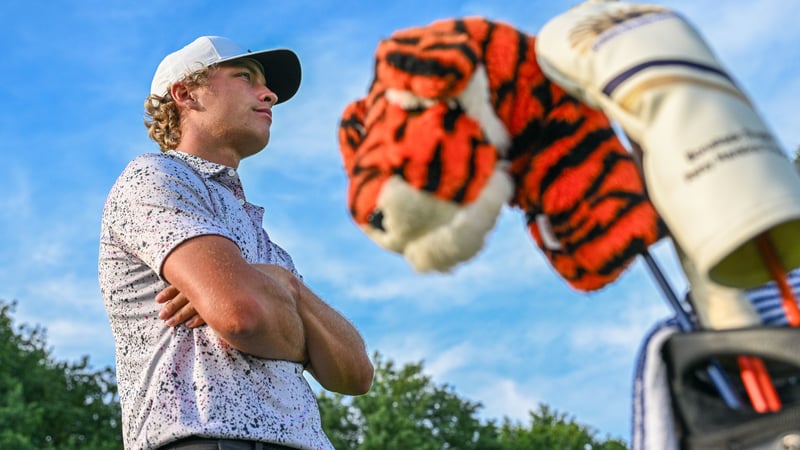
[[56, 405]]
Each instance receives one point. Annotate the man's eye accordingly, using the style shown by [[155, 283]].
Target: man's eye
[[245, 75]]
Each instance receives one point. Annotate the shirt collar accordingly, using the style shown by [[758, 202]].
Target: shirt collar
[[224, 175], [204, 167]]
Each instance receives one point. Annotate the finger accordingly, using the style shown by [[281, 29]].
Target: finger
[[167, 294], [179, 301], [167, 311], [195, 322], [182, 315], [171, 307]]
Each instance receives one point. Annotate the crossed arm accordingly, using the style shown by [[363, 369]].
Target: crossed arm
[[263, 310]]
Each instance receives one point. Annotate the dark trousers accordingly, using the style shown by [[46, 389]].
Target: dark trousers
[[192, 443]]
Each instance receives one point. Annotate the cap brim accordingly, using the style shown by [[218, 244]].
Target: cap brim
[[281, 69]]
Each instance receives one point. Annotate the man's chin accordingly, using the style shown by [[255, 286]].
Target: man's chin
[[253, 147]]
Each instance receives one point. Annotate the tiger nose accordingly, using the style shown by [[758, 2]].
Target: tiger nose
[[376, 220]]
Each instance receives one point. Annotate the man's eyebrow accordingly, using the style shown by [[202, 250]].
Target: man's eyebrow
[[255, 66], [250, 65]]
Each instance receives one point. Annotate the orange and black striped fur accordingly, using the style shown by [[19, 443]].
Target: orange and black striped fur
[[454, 103]]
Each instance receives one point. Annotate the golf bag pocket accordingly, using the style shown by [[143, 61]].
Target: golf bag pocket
[[702, 419]]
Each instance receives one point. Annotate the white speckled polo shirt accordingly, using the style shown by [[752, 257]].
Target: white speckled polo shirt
[[177, 382]]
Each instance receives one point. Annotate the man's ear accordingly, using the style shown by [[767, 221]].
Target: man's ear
[[184, 96]]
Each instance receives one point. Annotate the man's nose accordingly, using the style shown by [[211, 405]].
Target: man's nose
[[269, 96]]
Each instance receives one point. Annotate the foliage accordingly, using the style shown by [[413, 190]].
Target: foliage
[[553, 430], [46, 404], [404, 410]]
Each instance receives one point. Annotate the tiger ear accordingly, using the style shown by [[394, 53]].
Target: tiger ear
[[430, 64], [351, 131]]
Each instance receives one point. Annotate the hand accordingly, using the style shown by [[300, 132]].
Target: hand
[[177, 310]]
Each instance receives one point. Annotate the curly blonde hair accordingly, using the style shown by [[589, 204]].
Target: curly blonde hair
[[162, 117]]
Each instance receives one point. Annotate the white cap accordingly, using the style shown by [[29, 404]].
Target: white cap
[[281, 66]]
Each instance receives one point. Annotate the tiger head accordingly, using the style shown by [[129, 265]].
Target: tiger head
[[460, 121], [427, 178]]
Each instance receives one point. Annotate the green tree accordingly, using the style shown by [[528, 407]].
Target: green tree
[[405, 410], [552, 430], [47, 404]]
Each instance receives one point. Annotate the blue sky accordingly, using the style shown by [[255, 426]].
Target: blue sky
[[502, 329]]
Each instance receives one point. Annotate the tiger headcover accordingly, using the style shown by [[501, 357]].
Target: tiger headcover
[[458, 122]]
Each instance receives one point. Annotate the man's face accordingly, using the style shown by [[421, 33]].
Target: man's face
[[236, 107]]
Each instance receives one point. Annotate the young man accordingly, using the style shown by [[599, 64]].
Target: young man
[[212, 323]]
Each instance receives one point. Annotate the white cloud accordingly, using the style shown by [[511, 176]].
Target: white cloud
[[622, 335], [450, 359], [69, 307], [15, 203], [504, 397], [404, 347], [783, 115], [75, 336]]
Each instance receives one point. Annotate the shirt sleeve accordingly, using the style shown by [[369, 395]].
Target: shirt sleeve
[[158, 203]]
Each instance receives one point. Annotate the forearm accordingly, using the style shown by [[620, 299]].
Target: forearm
[[251, 307], [336, 351], [277, 335], [276, 330]]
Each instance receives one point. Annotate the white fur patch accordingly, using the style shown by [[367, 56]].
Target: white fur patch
[[407, 100], [476, 101], [549, 238], [433, 234]]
